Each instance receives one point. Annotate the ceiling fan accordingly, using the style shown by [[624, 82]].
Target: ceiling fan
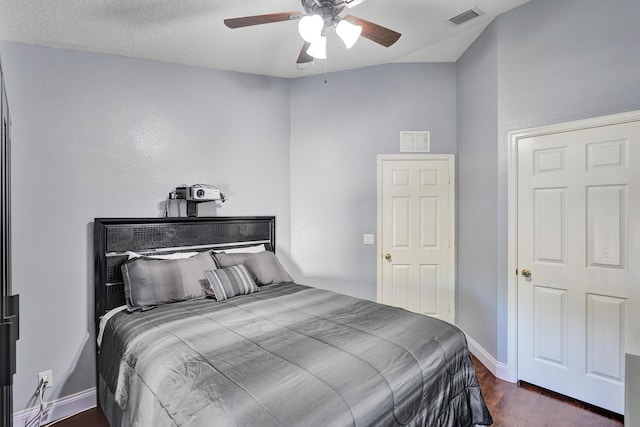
[[319, 15]]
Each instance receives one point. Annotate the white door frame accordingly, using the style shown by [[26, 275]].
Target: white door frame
[[512, 244], [452, 216]]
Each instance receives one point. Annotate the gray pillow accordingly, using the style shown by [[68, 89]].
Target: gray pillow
[[263, 266], [149, 282], [231, 281]]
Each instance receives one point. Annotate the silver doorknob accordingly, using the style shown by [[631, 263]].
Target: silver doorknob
[[387, 256], [526, 272]]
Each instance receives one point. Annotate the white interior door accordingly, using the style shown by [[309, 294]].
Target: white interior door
[[415, 229], [578, 228]]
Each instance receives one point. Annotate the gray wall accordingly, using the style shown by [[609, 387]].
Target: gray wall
[[337, 129], [477, 246], [106, 136], [556, 61]]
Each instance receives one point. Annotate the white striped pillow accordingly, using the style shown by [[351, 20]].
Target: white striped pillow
[[229, 282]]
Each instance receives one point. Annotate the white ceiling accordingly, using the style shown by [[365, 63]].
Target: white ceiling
[[192, 31]]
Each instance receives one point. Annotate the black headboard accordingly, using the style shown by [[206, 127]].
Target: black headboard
[[113, 237]]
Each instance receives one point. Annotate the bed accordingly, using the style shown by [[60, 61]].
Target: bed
[[250, 347]]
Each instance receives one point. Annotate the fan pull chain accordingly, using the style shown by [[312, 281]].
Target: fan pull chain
[[325, 71]]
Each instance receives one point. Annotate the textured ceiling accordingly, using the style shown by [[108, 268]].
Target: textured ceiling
[[192, 31]]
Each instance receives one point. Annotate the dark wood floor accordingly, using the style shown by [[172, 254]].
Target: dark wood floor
[[527, 405], [511, 405]]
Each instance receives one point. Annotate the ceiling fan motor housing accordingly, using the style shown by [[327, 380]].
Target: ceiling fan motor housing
[[325, 8]]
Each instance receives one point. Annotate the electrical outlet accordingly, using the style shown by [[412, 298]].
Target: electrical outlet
[[47, 376], [368, 239]]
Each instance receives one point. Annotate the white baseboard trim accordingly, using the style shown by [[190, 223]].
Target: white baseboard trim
[[498, 369], [58, 409]]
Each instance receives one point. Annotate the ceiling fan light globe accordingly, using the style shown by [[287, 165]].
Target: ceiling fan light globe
[[318, 48], [310, 27], [348, 32]]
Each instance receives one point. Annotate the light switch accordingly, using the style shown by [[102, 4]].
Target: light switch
[[368, 239]]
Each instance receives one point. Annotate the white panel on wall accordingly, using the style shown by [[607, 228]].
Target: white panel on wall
[[550, 225], [428, 289], [605, 155], [549, 160], [401, 222], [605, 337], [428, 222], [415, 141], [401, 274], [550, 324], [605, 226]]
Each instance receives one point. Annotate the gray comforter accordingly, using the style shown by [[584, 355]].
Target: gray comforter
[[289, 355]]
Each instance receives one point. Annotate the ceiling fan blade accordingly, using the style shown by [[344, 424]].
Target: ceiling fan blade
[[374, 32], [248, 21], [304, 57]]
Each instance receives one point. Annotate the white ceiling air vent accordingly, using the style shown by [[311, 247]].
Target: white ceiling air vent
[[466, 16], [415, 142]]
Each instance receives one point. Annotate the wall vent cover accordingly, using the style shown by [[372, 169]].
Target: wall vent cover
[[466, 16], [415, 142]]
